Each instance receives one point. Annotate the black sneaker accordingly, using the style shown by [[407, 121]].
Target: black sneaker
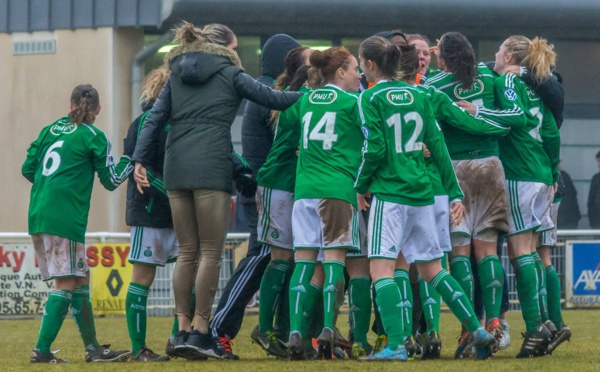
[[433, 346], [268, 342], [535, 343], [227, 345], [105, 354], [37, 357], [205, 344], [412, 347], [325, 341], [558, 338], [147, 355], [296, 346]]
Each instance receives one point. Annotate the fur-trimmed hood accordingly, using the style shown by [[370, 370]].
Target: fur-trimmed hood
[[196, 62]]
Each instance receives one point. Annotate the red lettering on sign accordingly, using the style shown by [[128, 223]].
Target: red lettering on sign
[[123, 253], [92, 256], [108, 258]]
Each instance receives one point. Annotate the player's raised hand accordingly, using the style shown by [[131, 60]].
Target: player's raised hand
[[140, 177], [456, 213]]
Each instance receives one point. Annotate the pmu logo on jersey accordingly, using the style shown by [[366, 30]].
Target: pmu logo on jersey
[[400, 97], [463, 93], [532, 95], [322, 96], [58, 129]]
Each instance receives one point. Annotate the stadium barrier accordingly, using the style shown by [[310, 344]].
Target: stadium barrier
[[23, 293]]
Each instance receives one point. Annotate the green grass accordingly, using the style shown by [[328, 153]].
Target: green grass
[[17, 338]]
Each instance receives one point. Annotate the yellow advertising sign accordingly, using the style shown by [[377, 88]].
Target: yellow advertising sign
[[110, 277]]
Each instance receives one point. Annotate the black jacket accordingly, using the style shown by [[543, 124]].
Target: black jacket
[[593, 203], [200, 100], [568, 211], [257, 131], [150, 209]]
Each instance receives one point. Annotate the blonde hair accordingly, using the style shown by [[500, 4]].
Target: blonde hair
[[537, 55], [214, 33], [153, 84]]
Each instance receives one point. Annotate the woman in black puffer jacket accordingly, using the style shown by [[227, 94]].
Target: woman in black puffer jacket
[[200, 101]]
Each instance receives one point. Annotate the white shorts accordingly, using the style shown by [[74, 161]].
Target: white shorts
[[363, 238], [528, 206], [59, 257], [549, 238], [395, 228], [274, 217], [152, 246], [442, 221], [482, 182], [325, 224]]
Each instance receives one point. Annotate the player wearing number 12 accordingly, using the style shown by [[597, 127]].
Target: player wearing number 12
[[397, 119], [325, 216], [61, 164]]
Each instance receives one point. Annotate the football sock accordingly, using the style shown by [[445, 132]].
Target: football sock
[[299, 284], [542, 292], [334, 280], [389, 301], [57, 307], [491, 278], [359, 296], [402, 279], [81, 309], [525, 272], [135, 312], [282, 313], [460, 268], [554, 305], [430, 300], [457, 301], [270, 289], [312, 320]]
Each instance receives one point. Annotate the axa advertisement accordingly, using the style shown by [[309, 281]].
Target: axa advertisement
[[582, 279]]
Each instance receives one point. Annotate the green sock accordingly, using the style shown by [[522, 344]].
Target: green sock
[[389, 302], [282, 314], [430, 300], [55, 311], [402, 279], [81, 309], [377, 325], [491, 277], [554, 305], [460, 268], [175, 328], [270, 289], [457, 301], [314, 296], [299, 284], [334, 276], [525, 272], [135, 312], [541, 279], [359, 296]]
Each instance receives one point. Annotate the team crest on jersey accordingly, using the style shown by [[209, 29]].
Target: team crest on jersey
[[476, 89], [510, 94], [400, 97], [532, 95], [323, 96], [58, 129]]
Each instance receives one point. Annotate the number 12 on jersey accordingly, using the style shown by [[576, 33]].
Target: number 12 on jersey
[[396, 122], [328, 136]]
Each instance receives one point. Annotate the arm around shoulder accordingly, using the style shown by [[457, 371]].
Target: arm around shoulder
[[259, 93]]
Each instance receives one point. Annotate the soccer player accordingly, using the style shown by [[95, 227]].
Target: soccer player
[[275, 200], [530, 158], [397, 119], [480, 173], [325, 214], [61, 164]]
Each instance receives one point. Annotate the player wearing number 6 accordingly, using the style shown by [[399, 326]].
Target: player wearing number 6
[[397, 119], [61, 164], [530, 156]]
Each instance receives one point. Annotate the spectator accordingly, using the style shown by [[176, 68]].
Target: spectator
[[593, 203], [568, 212]]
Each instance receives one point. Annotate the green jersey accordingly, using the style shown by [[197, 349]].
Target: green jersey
[[461, 144], [532, 150], [279, 170], [445, 111], [397, 119], [330, 144], [61, 164]]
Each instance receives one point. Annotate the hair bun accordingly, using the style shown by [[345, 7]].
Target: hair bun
[[319, 59]]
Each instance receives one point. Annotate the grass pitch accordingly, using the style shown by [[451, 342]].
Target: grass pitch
[[17, 338]]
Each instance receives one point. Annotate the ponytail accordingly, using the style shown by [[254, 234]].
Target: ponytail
[[541, 59], [85, 101], [459, 57]]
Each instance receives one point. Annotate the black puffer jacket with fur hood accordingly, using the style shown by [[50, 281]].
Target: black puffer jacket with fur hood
[[200, 100]]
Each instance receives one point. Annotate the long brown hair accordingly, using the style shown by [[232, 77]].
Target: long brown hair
[[395, 61], [85, 101], [326, 63], [459, 57]]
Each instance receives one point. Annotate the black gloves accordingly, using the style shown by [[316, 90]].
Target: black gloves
[[245, 183]]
